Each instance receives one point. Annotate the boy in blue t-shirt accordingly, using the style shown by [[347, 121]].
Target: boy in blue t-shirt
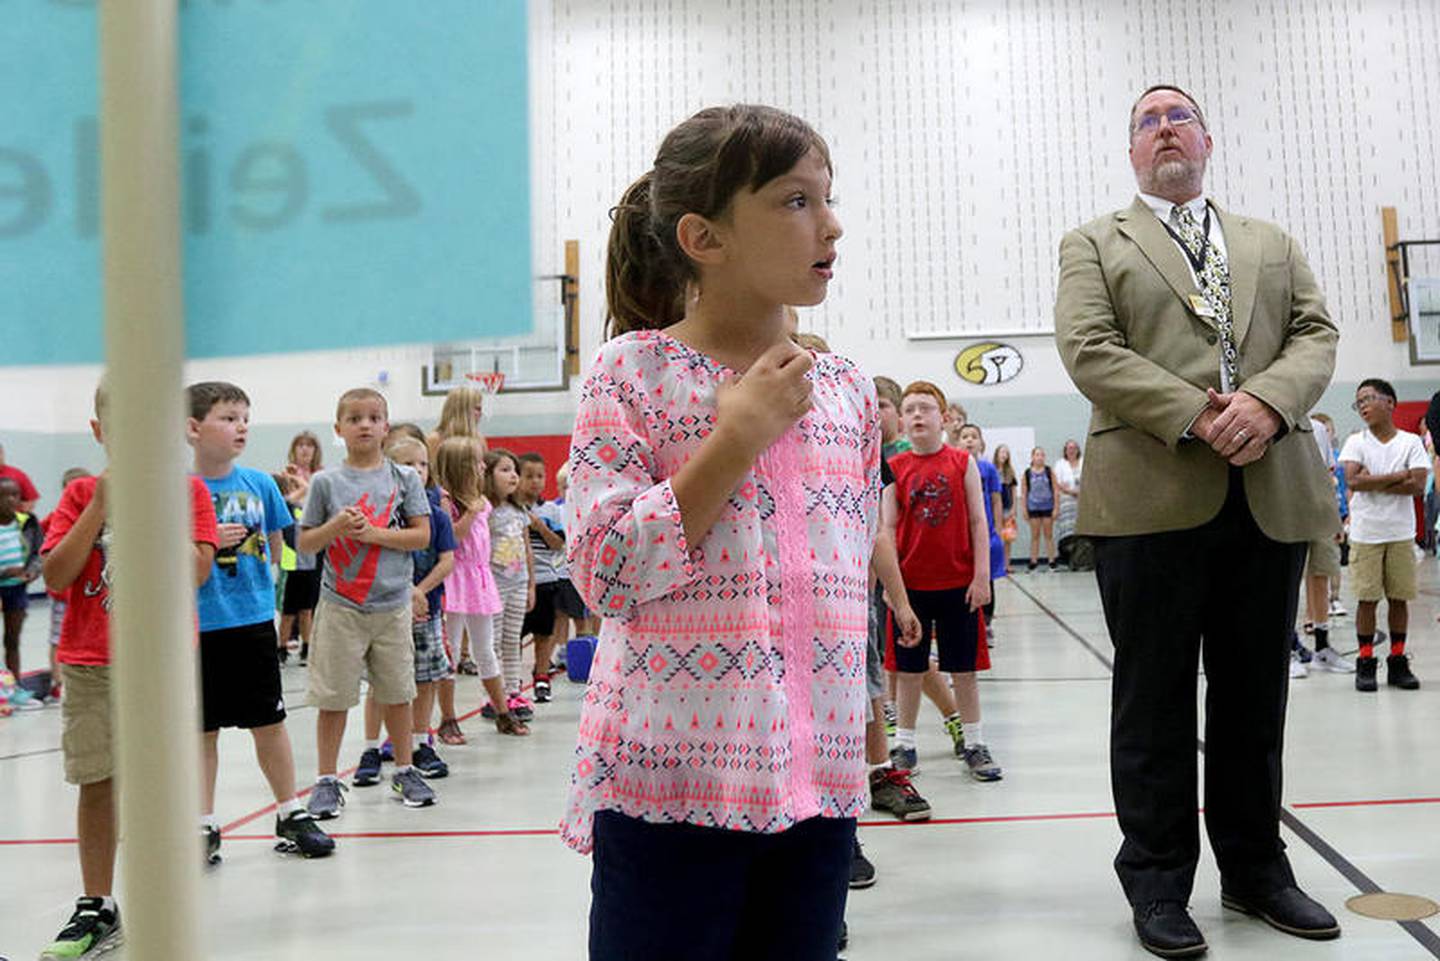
[[973, 440], [239, 664]]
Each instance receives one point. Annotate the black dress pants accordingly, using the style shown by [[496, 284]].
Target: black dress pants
[[1226, 592]]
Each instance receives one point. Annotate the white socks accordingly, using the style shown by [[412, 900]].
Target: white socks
[[905, 737], [287, 808], [974, 735]]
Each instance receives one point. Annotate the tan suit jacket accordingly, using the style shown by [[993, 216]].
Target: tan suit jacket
[[1134, 345]]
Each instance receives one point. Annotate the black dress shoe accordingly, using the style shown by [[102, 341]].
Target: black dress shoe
[[1165, 929], [1286, 909]]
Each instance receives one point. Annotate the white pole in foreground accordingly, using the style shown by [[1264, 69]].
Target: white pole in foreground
[[153, 626]]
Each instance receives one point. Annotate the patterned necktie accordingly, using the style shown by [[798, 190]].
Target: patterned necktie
[[1214, 279]]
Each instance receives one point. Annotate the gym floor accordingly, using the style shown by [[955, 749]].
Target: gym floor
[[1018, 868]]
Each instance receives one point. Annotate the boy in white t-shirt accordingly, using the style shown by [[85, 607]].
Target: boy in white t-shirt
[[1385, 468]]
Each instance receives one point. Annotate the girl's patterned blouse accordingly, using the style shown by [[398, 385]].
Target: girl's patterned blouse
[[728, 685]]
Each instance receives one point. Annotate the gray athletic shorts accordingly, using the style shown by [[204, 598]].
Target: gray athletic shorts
[[874, 662]]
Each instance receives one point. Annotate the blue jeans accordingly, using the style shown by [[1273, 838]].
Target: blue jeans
[[686, 893]]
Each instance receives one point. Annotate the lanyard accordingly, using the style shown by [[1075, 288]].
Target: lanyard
[[1196, 260]]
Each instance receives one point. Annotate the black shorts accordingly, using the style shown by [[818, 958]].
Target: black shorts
[[1037, 515], [302, 591], [14, 597], [240, 677], [945, 616], [540, 619], [557, 598]]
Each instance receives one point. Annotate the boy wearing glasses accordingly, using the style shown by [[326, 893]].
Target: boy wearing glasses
[[1386, 469]]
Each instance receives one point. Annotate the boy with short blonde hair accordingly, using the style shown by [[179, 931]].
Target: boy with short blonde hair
[[366, 515], [77, 562]]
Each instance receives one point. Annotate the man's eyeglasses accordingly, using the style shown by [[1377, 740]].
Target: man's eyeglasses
[[1178, 117], [1365, 400]]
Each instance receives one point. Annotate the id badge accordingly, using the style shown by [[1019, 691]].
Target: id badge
[[1201, 306]]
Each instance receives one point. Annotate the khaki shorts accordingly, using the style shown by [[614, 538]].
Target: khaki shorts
[[1323, 559], [1384, 571], [87, 732], [346, 643]]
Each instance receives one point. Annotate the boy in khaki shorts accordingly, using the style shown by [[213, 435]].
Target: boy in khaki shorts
[[77, 565], [1385, 468], [366, 515]]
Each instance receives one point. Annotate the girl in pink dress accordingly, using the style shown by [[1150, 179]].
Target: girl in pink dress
[[722, 509], [471, 599]]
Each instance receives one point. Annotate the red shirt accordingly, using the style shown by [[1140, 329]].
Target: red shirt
[[85, 633], [27, 490], [932, 534]]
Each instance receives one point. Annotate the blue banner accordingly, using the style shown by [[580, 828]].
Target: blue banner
[[354, 174]]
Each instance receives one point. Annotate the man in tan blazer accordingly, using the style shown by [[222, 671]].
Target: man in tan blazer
[[1202, 342]]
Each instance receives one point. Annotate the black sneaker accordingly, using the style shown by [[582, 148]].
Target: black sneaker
[[428, 763], [862, 872], [542, 689], [1365, 674], [368, 772], [1397, 673], [304, 654], [212, 844], [91, 930], [487, 711], [891, 790], [301, 834]]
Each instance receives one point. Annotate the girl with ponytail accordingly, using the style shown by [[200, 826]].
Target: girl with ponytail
[[721, 511]]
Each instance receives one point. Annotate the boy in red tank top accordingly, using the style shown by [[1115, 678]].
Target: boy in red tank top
[[936, 513]]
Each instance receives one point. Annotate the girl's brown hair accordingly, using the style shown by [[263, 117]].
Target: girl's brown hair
[[700, 167], [314, 442], [1007, 470], [492, 458], [456, 469]]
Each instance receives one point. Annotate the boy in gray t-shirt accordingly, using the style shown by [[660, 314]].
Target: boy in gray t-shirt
[[366, 516]]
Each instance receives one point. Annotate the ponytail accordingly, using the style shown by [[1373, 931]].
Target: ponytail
[[700, 167], [643, 289]]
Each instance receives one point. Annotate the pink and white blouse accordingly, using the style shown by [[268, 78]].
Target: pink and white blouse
[[728, 686]]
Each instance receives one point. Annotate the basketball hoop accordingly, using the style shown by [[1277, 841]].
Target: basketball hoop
[[490, 381]]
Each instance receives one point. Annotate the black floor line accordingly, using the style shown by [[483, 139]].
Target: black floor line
[[1421, 932]]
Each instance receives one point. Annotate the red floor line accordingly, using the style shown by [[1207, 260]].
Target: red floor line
[[547, 832], [272, 806]]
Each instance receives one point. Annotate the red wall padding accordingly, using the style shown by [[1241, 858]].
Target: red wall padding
[[555, 448]]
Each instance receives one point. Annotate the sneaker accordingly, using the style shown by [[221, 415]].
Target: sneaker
[[982, 766], [1301, 651], [367, 772], [326, 800], [905, 758], [1297, 667], [1030, 567], [467, 665], [283, 653], [411, 788], [1054, 565], [892, 718], [487, 711], [1397, 673], [542, 689], [304, 653], [428, 763], [1309, 628], [92, 930], [862, 872], [387, 752], [22, 700], [1329, 659], [1337, 609], [956, 729], [212, 843], [1365, 674], [520, 707], [301, 834], [891, 790], [844, 935]]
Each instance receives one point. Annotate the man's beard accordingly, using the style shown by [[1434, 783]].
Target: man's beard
[[1174, 173]]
